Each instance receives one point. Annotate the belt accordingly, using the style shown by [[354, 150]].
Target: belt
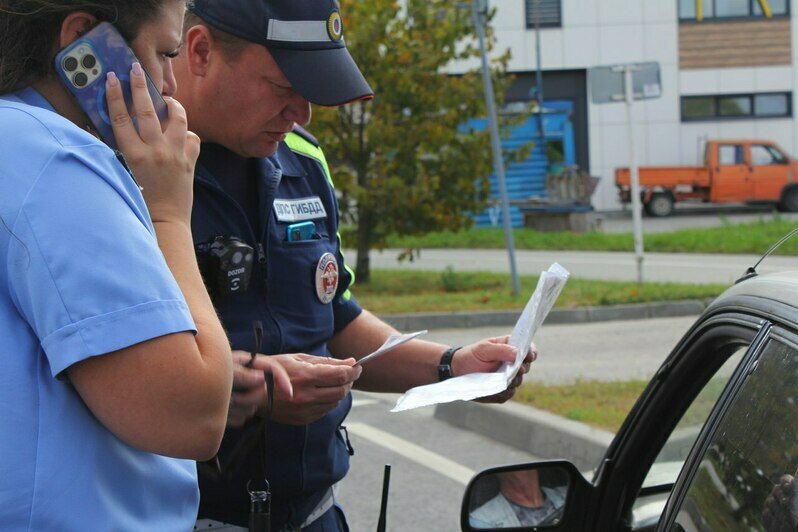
[[210, 524], [325, 504]]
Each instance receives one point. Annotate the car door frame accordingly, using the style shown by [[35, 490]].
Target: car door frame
[[667, 397], [721, 409]]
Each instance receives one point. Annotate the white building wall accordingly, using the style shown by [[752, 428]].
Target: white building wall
[[605, 32]]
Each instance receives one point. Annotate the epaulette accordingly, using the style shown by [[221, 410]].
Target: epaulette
[[302, 132]]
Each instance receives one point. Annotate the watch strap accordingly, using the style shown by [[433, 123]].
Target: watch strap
[[445, 365]]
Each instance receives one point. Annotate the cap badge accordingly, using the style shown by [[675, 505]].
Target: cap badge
[[326, 278], [335, 26]]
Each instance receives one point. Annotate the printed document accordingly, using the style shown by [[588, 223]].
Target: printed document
[[475, 385]]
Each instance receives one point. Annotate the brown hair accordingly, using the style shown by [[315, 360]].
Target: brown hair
[[29, 31]]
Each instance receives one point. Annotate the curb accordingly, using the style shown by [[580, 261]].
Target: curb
[[638, 311], [540, 433]]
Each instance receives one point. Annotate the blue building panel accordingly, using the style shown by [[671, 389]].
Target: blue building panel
[[526, 179]]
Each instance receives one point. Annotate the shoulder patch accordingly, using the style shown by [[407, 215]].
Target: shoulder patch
[[302, 132]]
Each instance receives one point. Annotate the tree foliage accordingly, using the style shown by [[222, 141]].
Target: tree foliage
[[403, 162]]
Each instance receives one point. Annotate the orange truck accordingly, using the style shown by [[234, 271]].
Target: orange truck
[[749, 171]]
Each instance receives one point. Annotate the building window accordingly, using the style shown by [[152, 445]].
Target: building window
[[548, 13], [730, 9], [772, 104], [736, 106]]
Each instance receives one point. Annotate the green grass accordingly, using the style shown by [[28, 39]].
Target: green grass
[[753, 238], [600, 404], [401, 291], [605, 405]]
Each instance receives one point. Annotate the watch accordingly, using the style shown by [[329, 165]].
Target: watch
[[445, 365]]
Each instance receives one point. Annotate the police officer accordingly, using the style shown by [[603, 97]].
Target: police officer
[[265, 223]]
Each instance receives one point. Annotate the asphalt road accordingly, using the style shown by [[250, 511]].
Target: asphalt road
[[619, 266], [692, 216], [611, 266], [604, 351], [432, 461]]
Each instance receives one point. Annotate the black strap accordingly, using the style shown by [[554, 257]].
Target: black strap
[[445, 365]]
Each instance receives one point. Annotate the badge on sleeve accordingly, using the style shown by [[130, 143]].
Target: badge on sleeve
[[326, 278]]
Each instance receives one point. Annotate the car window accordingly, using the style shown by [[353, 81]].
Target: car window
[[730, 154], [765, 155], [761, 156], [744, 479], [671, 457]]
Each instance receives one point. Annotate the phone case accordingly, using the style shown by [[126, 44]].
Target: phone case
[[300, 231], [83, 66]]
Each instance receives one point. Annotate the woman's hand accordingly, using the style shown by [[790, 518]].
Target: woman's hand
[[162, 160]]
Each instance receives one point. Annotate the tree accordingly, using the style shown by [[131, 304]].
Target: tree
[[405, 163]]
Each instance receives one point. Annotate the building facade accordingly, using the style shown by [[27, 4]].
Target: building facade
[[726, 69]]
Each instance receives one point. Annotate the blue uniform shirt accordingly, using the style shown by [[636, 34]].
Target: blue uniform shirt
[[302, 462], [81, 275]]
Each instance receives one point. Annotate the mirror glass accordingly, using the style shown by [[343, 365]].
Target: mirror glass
[[526, 496]]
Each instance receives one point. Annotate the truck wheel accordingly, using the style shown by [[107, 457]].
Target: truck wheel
[[789, 201], [660, 204]]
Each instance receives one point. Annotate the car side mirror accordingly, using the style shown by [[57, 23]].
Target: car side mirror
[[524, 496]]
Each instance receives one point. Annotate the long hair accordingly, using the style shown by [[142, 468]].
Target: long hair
[[29, 31]]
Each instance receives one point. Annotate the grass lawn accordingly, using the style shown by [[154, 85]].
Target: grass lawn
[[397, 292], [600, 404], [729, 238]]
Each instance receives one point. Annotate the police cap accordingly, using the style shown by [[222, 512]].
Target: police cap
[[305, 37]]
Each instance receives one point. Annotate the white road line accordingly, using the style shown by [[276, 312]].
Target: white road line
[[413, 452], [363, 402]]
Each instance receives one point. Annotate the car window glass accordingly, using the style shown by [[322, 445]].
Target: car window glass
[[778, 157], [666, 467], [729, 154], [761, 155], [744, 480]]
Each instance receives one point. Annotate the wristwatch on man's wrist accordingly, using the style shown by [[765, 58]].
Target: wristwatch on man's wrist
[[445, 365]]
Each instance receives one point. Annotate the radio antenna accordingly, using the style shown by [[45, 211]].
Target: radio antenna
[[751, 272], [386, 481]]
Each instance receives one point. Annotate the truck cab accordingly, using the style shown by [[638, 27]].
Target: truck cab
[[747, 171]]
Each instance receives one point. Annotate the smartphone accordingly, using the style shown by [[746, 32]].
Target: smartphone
[[83, 66], [300, 231]]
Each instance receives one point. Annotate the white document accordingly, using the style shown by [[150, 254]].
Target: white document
[[476, 385], [393, 341]]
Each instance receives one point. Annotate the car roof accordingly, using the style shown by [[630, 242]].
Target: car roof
[[780, 287]]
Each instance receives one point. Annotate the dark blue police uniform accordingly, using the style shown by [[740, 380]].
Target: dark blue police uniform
[[286, 295]]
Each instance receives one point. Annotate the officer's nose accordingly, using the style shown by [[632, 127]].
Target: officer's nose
[[297, 110]]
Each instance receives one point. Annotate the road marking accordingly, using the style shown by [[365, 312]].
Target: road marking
[[363, 402], [411, 451]]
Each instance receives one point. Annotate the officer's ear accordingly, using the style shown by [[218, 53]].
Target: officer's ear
[[199, 49], [75, 24]]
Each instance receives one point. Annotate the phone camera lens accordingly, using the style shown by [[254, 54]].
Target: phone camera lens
[[80, 79], [89, 61], [70, 64]]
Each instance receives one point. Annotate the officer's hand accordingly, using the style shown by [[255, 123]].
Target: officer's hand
[[319, 384], [162, 160], [249, 386], [488, 355]]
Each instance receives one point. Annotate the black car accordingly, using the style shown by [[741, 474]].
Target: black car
[[711, 444]]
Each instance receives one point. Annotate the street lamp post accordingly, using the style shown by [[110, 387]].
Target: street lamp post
[[479, 9]]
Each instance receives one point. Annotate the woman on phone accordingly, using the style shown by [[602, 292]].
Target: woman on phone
[[115, 373]]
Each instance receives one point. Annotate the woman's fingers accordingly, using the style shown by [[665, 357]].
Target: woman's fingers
[[148, 123], [124, 131]]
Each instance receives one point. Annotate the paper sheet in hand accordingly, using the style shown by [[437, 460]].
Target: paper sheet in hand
[[476, 385], [393, 341]]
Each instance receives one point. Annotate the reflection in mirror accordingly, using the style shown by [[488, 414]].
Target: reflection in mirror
[[528, 496]]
